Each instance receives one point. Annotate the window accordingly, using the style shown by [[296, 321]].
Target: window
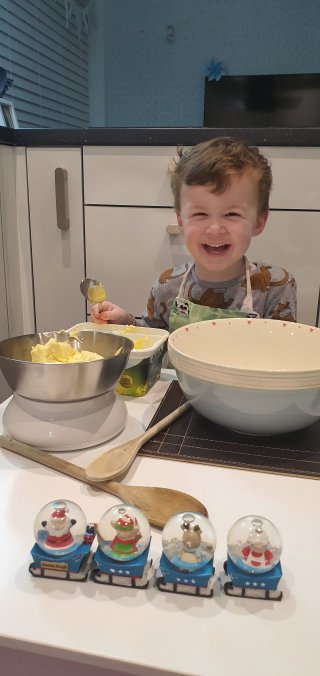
[[47, 62]]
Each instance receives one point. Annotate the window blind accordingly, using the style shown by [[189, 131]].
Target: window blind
[[47, 62]]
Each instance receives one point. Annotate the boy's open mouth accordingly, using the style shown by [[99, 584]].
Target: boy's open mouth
[[220, 248]]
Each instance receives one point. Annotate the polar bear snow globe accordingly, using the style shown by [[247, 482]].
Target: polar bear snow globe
[[254, 544]]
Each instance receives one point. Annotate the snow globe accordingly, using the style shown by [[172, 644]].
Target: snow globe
[[63, 542], [121, 557], [186, 564], [253, 564]]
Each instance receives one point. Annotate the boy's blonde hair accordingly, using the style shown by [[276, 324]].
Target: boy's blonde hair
[[214, 162]]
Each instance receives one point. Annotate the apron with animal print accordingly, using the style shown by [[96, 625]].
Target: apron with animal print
[[183, 311]]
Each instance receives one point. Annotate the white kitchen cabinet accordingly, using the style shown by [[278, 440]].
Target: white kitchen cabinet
[[125, 200], [16, 294], [122, 183], [16, 240], [295, 174], [57, 255], [291, 240], [4, 328], [127, 248], [120, 175]]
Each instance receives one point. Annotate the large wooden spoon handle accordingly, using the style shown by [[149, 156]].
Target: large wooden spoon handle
[[60, 465], [165, 422], [44, 458], [158, 504]]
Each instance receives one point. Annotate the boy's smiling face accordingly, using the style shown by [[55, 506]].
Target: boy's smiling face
[[218, 227]]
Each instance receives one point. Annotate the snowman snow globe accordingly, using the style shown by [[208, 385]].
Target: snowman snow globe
[[253, 564], [186, 564], [121, 557], [63, 542]]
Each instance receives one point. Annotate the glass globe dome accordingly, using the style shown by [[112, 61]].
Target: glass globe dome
[[188, 540], [123, 532], [59, 527], [254, 544]]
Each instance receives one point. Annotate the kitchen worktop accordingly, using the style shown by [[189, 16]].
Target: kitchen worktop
[[158, 136], [145, 631]]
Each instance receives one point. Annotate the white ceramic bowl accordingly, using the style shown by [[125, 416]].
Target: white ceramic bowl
[[258, 376]]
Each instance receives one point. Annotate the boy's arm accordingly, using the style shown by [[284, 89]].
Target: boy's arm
[[151, 323], [281, 301]]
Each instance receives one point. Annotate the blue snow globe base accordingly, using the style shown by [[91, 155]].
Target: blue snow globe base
[[198, 582], [252, 585], [70, 566], [133, 573]]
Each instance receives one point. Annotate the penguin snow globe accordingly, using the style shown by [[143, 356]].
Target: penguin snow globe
[[63, 542], [253, 564], [122, 555], [186, 564]]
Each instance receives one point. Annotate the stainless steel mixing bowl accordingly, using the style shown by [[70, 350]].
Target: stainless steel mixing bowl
[[64, 382]]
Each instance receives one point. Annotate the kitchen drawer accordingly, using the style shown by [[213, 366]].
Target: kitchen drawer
[[291, 240], [296, 177], [118, 175], [127, 248]]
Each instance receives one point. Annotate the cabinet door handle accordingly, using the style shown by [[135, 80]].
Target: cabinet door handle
[[62, 198], [173, 229]]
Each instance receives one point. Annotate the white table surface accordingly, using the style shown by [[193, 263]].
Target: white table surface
[[146, 631]]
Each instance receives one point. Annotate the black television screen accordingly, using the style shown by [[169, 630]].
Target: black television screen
[[263, 101]]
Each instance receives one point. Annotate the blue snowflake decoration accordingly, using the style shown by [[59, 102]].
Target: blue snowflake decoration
[[215, 70]]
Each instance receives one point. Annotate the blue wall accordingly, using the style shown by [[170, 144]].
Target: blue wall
[[155, 83]]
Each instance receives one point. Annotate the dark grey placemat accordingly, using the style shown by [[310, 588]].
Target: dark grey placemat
[[192, 438]]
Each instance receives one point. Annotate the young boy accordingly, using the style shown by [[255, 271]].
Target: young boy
[[221, 195]]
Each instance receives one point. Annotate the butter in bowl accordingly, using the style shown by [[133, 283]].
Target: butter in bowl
[[145, 361]]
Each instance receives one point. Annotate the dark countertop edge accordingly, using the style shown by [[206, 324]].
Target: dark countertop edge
[[156, 136]]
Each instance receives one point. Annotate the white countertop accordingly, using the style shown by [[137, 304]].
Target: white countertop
[[146, 631]]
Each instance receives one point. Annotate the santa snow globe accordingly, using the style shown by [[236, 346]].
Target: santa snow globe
[[253, 565], [63, 542], [122, 555], [186, 564]]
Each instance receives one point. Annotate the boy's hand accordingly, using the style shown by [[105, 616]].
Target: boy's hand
[[106, 312]]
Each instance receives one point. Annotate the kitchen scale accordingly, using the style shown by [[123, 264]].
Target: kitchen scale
[[65, 426], [64, 406]]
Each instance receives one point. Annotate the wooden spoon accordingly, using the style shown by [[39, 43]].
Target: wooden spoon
[[117, 460], [158, 504]]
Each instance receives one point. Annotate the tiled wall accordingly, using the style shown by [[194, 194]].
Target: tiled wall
[[152, 81]]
